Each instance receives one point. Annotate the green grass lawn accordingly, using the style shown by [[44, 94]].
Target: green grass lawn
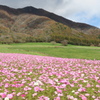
[[57, 50]]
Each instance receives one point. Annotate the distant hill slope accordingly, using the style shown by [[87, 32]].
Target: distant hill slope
[[30, 24]]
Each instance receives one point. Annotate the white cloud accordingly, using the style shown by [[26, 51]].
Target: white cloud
[[81, 10]]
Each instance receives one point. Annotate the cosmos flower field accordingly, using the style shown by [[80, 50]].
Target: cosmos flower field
[[31, 77]]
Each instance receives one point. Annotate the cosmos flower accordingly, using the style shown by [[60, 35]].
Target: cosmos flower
[[6, 98]]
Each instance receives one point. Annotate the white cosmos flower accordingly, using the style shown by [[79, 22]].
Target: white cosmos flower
[[38, 82], [56, 80], [6, 98], [73, 91], [85, 81], [29, 73]]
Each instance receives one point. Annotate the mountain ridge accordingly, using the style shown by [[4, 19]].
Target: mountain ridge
[[42, 12]]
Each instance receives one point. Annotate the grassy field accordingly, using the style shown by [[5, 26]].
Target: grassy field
[[57, 50]]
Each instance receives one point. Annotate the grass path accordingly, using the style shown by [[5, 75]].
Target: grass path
[[57, 50]]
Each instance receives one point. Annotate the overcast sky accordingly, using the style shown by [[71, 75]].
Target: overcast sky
[[85, 11]]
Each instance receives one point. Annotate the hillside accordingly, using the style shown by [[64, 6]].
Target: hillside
[[41, 12], [37, 25]]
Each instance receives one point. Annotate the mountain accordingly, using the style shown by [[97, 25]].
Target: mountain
[[31, 24], [41, 12]]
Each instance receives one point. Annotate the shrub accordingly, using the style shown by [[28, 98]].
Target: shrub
[[99, 45], [92, 45], [64, 42], [6, 39], [53, 42]]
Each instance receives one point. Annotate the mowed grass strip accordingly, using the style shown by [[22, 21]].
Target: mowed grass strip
[[57, 50]]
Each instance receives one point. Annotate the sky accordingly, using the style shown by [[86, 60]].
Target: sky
[[84, 11]]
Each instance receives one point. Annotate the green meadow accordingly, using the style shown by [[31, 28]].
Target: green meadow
[[55, 50]]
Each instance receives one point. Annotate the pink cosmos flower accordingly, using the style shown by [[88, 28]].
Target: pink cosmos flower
[[36, 89], [98, 86], [98, 81], [87, 94], [34, 94], [23, 95], [88, 85], [18, 94], [77, 93], [83, 97], [6, 85], [10, 96], [15, 82], [70, 97], [97, 99], [43, 98], [59, 91], [98, 91], [27, 88], [57, 98], [93, 96], [81, 89], [3, 95]]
